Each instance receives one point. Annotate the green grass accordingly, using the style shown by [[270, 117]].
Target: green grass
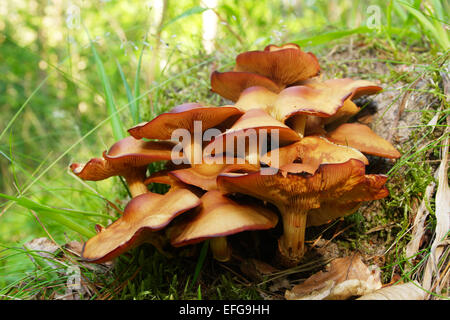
[[37, 144]]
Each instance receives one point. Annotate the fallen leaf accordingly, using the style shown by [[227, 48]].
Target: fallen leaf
[[278, 284], [419, 223], [43, 247], [74, 247], [442, 213], [404, 291], [345, 278]]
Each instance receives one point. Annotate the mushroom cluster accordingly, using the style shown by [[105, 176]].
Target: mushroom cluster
[[297, 153]]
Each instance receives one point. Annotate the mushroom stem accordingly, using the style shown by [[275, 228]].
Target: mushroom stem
[[298, 124], [158, 240], [292, 242], [137, 188], [220, 249], [135, 182]]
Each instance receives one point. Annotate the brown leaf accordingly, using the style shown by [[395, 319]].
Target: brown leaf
[[74, 247], [419, 226], [43, 247], [442, 212], [346, 277], [404, 291]]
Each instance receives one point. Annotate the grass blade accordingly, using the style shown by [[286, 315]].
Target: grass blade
[[330, 36], [32, 205], [438, 9], [201, 260], [136, 84], [131, 100], [110, 105], [57, 215], [440, 37], [187, 13], [22, 107]]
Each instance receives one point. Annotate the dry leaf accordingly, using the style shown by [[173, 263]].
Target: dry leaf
[[419, 223], [404, 291], [442, 213], [43, 247], [74, 247], [278, 284], [346, 277]]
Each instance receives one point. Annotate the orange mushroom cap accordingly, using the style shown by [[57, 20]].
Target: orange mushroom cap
[[251, 124], [219, 216], [143, 215], [314, 151], [231, 84], [322, 99], [348, 109], [361, 137], [284, 65], [183, 117], [257, 97], [273, 47], [296, 194], [204, 176], [331, 181], [162, 177], [332, 210], [123, 157]]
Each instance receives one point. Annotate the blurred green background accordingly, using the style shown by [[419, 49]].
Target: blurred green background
[[67, 66]]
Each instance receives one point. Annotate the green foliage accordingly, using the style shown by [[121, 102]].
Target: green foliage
[[110, 104]]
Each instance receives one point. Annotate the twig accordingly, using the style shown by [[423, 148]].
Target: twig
[[243, 281], [379, 228]]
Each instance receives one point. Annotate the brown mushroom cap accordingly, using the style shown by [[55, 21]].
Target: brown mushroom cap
[[321, 99], [273, 47], [297, 194], [144, 214], [220, 216], [332, 210], [231, 84], [361, 137], [161, 177], [316, 125], [257, 97], [260, 119], [341, 182], [314, 151], [252, 122], [124, 156], [348, 109], [183, 117], [284, 65], [204, 176]]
